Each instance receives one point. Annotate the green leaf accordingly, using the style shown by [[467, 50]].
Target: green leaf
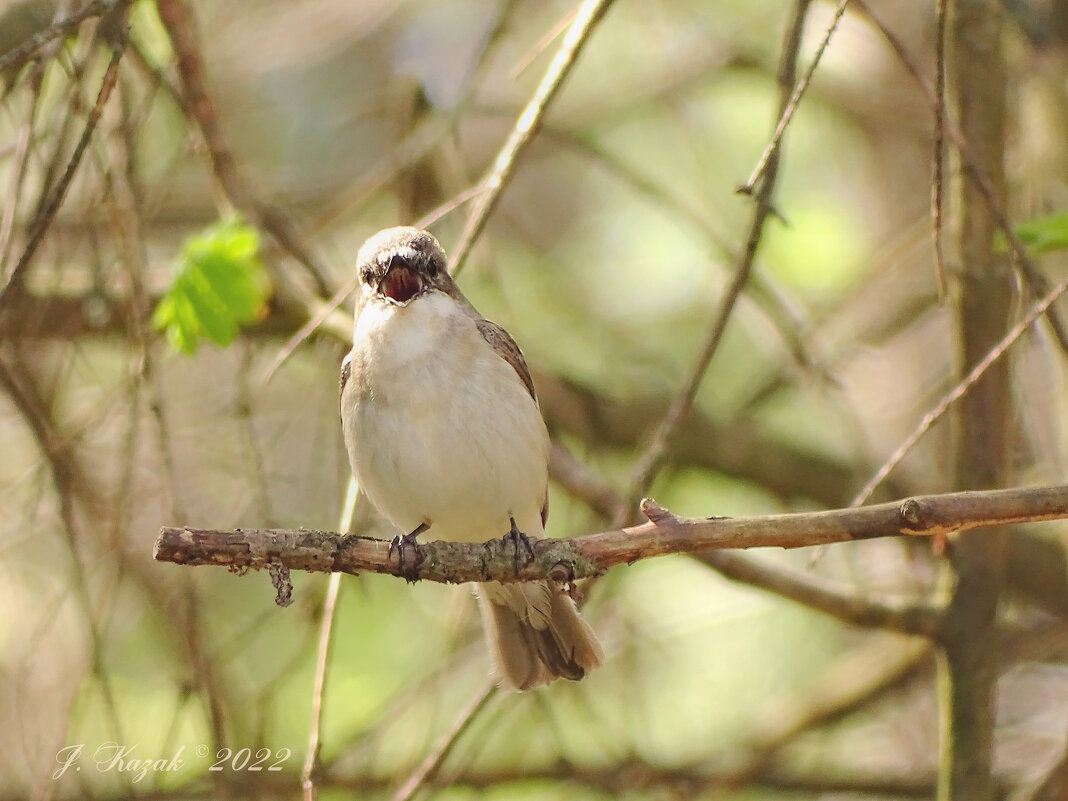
[[220, 285], [1042, 234]]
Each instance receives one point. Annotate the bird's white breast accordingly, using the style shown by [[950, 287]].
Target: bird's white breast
[[439, 428]]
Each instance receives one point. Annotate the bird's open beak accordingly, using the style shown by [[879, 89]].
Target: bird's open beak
[[401, 283]]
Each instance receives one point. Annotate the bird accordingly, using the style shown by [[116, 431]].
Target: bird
[[445, 435]]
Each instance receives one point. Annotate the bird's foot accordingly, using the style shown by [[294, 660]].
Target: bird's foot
[[408, 551], [518, 539]]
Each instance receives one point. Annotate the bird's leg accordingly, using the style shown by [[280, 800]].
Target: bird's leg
[[401, 544], [516, 537]]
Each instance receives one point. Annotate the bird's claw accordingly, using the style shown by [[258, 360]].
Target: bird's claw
[[517, 537], [407, 547]]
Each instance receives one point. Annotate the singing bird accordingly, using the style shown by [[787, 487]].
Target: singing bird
[[444, 435]]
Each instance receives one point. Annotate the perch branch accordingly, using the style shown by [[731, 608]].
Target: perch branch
[[567, 560]]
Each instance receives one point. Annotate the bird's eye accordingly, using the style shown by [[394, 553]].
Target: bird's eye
[[432, 267], [365, 274]]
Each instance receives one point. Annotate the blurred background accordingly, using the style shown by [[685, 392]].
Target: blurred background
[[606, 259]]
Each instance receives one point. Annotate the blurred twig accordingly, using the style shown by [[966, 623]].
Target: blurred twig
[[938, 155], [432, 764], [566, 560], [581, 482], [761, 292], [322, 662], [1035, 280], [69, 480], [201, 108], [818, 593], [960, 391], [47, 213], [663, 437], [853, 682], [787, 111], [587, 16], [542, 45], [244, 411], [16, 57], [18, 176]]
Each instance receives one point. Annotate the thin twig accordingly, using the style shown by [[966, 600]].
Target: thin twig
[[541, 46], [586, 18], [413, 149], [831, 598], [326, 644], [244, 411], [44, 219], [937, 165], [313, 324], [854, 682], [787, 113], [959, 391], [565, 560], [69, 479], [447, 207], [434, 760], [18, 176], [200, 106], [57, 30], [778, 312], [656, 454], [1037, 283]]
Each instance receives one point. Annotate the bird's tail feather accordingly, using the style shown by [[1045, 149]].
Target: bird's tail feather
[[536, 633]]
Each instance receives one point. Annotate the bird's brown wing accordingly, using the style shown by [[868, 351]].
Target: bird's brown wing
[[346, 372], [505, 347]]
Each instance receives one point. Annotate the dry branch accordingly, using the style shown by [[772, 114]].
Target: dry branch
[[830, 597], [14, 59], [58, 192], [582, 557], [587, 15], [202, 110]]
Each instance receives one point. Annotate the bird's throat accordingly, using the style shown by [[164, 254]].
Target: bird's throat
[[401, 285]]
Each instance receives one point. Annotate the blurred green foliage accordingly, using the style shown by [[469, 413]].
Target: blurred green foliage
[[1042, 234], [219, 287]]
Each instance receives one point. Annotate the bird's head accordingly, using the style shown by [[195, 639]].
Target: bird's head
[[398, 265]]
